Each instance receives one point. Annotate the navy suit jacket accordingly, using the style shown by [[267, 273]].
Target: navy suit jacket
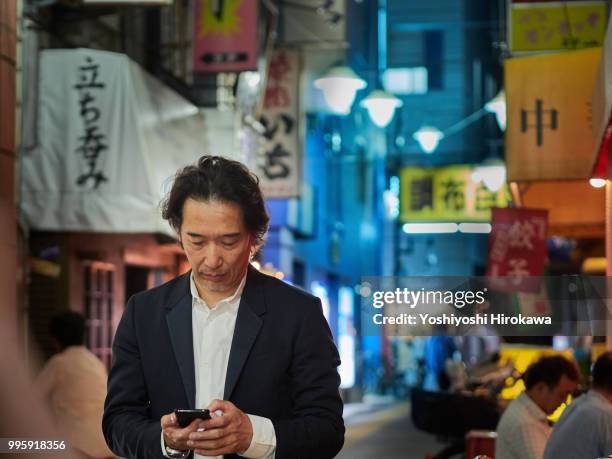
[[282, 365]]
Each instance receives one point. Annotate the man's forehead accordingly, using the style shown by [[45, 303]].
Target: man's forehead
[[202, 211], [200, 234], [211, 203]]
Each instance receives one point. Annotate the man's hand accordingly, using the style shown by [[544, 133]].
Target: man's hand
[[229, 433], [174, 436]]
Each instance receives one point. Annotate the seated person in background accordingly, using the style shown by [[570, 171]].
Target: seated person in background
[[74, 383], [584, 430], [523, 429]]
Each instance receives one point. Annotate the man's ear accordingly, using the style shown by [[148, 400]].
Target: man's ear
[[540, 387], [254, 248]]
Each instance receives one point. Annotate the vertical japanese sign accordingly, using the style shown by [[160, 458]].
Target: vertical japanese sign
[[91, 141], [556, 25], [549, 135], [108, 133], [446, 194], [517, 244], [278, 165], [225, 35]]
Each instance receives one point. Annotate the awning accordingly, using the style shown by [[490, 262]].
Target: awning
[[575, 208], [110, 137]]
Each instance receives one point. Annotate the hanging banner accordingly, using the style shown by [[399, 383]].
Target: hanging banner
[[279, 162], [517, 247], [548, 98], [224, 35], [110, 138], [551, 26], [446, 194]]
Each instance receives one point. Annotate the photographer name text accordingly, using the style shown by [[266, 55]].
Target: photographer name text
[[452, 319]]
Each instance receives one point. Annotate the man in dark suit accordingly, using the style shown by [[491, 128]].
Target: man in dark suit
[[255, 351]]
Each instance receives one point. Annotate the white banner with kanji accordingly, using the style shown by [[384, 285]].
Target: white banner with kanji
[[109, 139]]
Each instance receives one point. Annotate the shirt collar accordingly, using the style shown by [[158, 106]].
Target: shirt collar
[[233, 298], [532, 407]]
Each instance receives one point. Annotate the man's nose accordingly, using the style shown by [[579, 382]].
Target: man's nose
[[212, 258]]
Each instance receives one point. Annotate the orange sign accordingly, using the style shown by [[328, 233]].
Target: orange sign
[[549, 134]]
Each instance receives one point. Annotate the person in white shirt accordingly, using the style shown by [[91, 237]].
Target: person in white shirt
[[73, 382], [255, 351], [523, 429], [584, 430]]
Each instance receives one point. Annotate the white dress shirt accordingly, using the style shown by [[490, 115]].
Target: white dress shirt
[[523, 430], [213, 330]]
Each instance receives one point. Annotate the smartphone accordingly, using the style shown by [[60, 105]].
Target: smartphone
[[186, 417]]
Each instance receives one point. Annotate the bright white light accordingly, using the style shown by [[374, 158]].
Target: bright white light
[[484, 228], [410, 80], [346, 337], [346, 349], [256, 265], [319, 290], [497, 105], [339, 86], [492, 172], [430, 228], [392, 205], [597, 182], [428, 137], [381, 107], [252, 78], [391, 198]]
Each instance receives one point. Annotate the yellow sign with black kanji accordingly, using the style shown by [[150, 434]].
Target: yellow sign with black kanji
[[446, 194]]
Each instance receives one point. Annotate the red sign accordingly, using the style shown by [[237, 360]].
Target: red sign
[[600, 170], [517, 244], [224, 35]]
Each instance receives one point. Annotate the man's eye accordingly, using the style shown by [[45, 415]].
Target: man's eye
[[198, 244], [228, 244]]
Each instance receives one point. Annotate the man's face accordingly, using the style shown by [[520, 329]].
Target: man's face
[[217, 246], [552, 398]]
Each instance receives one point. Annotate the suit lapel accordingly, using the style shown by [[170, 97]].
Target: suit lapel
[[248, 325], [181, 336]]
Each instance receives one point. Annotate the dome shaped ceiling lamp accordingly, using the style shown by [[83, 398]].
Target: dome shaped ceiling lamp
[[428, 138], [597, 182], [492, 172], [339, 86], [381, 107], [497, 105]]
